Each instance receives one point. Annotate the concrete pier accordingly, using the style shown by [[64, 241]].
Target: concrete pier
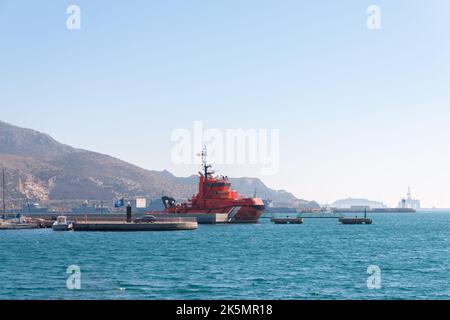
[[131, 226]]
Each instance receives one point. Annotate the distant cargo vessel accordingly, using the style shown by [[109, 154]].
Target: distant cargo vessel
[[215, 198]]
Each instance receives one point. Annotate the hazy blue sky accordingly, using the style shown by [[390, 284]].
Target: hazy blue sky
[[361, 113]]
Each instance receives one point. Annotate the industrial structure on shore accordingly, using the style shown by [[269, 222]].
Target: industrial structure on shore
[[409, 202]]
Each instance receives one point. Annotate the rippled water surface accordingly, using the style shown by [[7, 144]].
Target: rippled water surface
[[320, 259]]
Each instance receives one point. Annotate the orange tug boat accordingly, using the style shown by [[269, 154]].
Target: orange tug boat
[[215, 196]]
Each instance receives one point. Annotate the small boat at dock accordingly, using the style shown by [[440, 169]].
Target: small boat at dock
[[61, 224], [17, 224]]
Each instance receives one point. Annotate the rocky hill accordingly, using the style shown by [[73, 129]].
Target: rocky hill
[[44, 169]]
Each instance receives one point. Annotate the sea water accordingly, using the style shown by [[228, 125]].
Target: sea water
[[320, 259]]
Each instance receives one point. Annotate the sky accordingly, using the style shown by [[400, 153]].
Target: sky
[[360, 112]]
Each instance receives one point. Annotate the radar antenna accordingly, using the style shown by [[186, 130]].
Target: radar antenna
[[205, 164]]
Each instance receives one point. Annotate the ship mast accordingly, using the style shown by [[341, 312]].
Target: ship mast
[[205, 165], [206, 173], [4, 203]]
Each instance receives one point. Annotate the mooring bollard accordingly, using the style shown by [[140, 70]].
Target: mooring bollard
[[129, 212]]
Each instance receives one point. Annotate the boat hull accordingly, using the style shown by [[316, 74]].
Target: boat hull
[[62, 227], [229, 214], [17, 226], [248, 214]]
